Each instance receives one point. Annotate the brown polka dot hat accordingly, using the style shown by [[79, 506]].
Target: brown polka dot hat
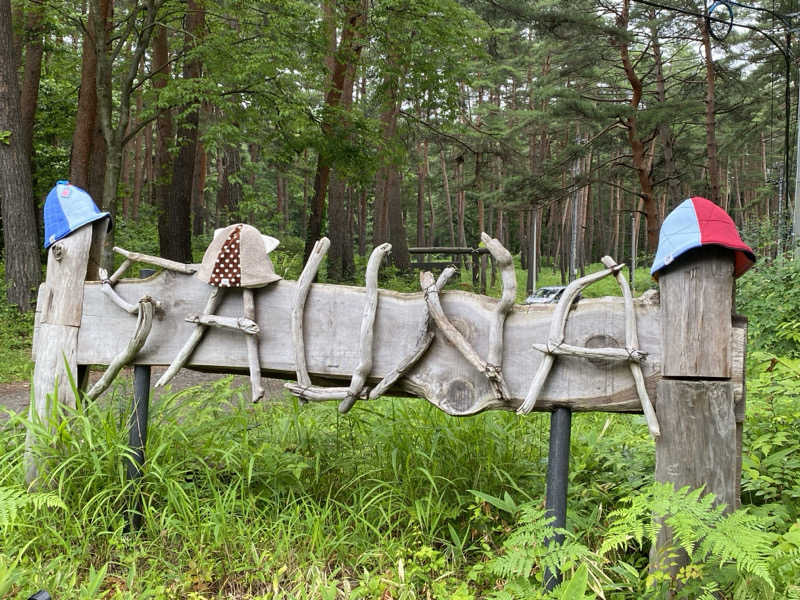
[[238, 257]]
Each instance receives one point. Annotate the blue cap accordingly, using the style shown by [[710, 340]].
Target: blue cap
[[66, 209]]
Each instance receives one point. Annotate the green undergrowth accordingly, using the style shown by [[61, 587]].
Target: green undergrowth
[[16, 332], [394, 500]]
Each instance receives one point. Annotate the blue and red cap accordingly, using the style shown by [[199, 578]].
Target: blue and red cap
[[699, 222], [66, 209]]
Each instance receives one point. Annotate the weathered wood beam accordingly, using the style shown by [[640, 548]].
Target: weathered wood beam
[[332, 322]]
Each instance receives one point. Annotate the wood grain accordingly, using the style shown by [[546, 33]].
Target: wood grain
[[332, 322]]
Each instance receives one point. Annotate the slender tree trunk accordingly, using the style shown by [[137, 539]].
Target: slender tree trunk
[[638, 152], [711, 139], [176, 240], [163, 159], [114, 133], [23, 269], [34, 49], [446, 187], [348, 52], [199, 211], [362, 222]]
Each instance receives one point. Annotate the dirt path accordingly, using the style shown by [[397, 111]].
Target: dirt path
[[16, 396]]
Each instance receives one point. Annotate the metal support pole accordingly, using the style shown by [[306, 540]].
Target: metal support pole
[[137, 432], [557, 479], [137, 436]]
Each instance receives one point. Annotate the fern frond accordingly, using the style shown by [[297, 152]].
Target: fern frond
[[14, 499]]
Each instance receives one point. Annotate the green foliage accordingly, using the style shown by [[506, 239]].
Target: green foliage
[[15, 499], [16, 330], [767, 295]]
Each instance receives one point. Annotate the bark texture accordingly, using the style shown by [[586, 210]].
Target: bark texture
[[21, 251]]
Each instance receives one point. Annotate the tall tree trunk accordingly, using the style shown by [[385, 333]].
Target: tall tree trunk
[[362, 222], [176, 239], [163, 159], [229, 193], [34, 49], [711, 138], [446, 187], [23, 269], [198, 189], [638, 152], [141, 23], [664, 127], [347, 53]]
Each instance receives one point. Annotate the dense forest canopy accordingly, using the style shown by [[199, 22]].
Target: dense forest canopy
[[419, 122]]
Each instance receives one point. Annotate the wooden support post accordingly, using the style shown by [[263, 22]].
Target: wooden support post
[[60, 307], [557, 480], [698, 443]]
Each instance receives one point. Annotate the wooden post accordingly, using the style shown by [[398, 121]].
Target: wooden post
[[698, 443], [60, 306]]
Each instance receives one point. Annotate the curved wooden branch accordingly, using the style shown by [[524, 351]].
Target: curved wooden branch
[[144, 323], [157, 261], [298, 310], [632, 344], [556, 336], [492, 372], [509, 295], [211, 306], [423, 343], [367, 328], [112, 295]]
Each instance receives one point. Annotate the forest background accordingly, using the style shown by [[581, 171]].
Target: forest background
[[418, 122], [421, 123]]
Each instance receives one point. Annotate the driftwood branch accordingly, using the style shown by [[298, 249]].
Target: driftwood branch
[[112, 295], [556, 337], [298, 310], [240, 324], [632, 344], [509, 279], [619, 354], [492, 372], [249, 305], [157, 261], [186, 351], [144, 323], [119, 272], [423, 343], [367, 328]]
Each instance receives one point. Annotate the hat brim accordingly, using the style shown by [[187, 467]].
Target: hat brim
[[79, 224]]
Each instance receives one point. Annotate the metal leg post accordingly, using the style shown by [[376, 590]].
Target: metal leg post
[[137, 436], [557, 479]]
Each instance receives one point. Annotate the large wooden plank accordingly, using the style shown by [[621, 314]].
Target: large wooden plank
[[332, 325]]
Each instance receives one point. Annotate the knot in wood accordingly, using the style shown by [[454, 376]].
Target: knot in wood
[[58, 252]]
